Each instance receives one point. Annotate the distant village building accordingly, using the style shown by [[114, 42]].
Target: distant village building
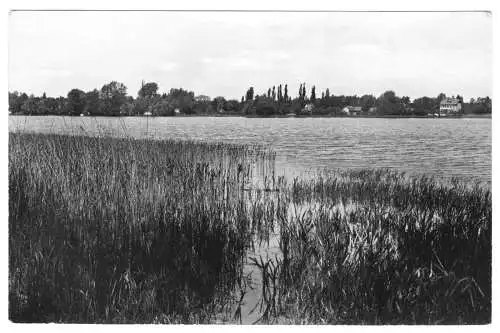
[[450, 105], [148, 113], [352, 110], [308, 108], [177, 111], [372, 110]]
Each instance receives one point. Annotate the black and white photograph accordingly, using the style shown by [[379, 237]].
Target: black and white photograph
[[259, 166]]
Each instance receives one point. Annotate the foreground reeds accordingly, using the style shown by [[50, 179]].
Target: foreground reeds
[[381, 247], [120, 230]]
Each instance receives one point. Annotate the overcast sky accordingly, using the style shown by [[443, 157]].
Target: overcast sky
[[223, 53]]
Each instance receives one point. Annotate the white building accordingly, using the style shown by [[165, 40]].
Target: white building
[[450, 105], [308, 108], [352, 110]]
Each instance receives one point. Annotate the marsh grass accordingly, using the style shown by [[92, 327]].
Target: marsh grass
[[122, 230], [409, 250]]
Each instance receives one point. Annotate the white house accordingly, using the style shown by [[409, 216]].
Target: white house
[[147, 113], [308, 108], [352, 110], [450, 105]]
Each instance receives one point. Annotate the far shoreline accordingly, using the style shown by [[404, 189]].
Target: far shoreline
[[469, 116]]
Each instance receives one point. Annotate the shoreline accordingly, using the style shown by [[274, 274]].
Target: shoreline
[[467, 116]]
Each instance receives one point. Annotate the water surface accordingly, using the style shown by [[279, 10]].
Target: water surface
[[438, 147]]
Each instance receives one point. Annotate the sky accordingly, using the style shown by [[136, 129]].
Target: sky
[[224, 53]]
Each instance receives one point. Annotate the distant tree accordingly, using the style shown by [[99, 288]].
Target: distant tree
[[389, 104], [269, 93], [163, 107], [231, 105], [141, 105], [285, 96], [44, 96], [202, 104], [148, 90], [93, 103], [113, 95], [76, 102], [477, 108], [313, 94], [42, 106], [203, 99], [249, 95], [218, 103], [367, 102], [424, 105], [181, 99], [486, 103], [30, 105], [266, 106], [440, 97], [274, 93], [16, 101], [52, 105], [405, 100]]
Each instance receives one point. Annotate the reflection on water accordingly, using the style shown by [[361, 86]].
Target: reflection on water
[[443, 147]]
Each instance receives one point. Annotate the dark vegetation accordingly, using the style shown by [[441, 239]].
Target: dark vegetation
[[116, 230], [119, 230], [394, 250], [112, 100]]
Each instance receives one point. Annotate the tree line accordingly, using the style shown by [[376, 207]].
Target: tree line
[[112, 100]]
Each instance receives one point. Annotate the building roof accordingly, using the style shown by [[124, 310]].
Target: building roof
[[354, 108], [449, 100]]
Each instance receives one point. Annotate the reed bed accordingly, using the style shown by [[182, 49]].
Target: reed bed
[[380, 247], [119, 230], [122, 230]]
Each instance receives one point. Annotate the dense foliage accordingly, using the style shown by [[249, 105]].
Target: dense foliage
[[112, 100]]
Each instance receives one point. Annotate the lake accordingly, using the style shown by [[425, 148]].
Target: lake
[[438, 147]]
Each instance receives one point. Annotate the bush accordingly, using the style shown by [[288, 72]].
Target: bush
[[266, 107]]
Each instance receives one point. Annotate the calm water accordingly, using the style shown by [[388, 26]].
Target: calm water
[[442, 147]]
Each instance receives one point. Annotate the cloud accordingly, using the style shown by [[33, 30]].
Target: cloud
[[168, 66], [53, 72], [220, 53], [241, 63], [207, 60]]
